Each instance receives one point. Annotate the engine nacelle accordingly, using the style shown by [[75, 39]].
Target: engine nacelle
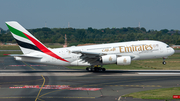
[[109, 59], [124, 60]]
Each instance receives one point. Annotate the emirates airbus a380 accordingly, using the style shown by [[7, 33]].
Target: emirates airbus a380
[[121, 53]]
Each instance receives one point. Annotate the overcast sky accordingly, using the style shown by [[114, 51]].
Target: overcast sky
[[152, 14]]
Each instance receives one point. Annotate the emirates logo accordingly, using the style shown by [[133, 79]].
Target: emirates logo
[[124, 60], [110, 58]]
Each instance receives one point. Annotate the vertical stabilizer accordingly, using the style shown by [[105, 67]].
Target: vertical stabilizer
[[23, 37], [27, 42]]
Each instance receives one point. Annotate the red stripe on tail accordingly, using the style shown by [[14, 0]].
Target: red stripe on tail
[[44, 49]]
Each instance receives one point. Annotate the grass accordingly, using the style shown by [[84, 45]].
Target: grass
[[9, 48], [163, 94], [176, 48], [173, 63], [9, 52]]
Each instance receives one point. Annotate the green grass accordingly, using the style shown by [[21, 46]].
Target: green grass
[[9, 52], [173, 63], [9, 48], [163, 93], [176, 48]]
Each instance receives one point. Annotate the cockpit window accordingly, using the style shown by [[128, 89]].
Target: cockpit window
[[168, 46]]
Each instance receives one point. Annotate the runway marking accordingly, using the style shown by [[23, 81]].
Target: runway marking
[[40, 88], [57, 87], [28, 65], [136, 85], [160, 73], [78, 88], [49, 97], [119, 98]]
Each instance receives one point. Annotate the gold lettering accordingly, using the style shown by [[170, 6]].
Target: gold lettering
[[136, 48], [151, 47], [128, 49], [143, 47], [146, 47], [114, 49], [132, 48], [140, 48], [108, 50], [120, 49]]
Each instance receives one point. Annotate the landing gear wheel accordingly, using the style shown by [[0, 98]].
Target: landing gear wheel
[[95, 69], [164, 62], [88, 69], [92, 69], [103, 69]]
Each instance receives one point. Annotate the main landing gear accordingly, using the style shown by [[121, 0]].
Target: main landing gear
[[95, 69], [164, 62]]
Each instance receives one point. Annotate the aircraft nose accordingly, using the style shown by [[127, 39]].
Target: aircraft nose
[[172, 51]]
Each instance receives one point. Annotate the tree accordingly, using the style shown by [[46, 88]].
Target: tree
[[178, 42], [164, 31]]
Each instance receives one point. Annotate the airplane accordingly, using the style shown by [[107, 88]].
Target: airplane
[[121, 53]]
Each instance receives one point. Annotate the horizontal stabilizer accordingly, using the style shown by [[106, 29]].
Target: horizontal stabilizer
[[27, 56]]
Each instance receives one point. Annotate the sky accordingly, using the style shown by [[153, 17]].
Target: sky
[[152, 14]]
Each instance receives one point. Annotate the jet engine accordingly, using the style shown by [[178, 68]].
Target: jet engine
[[108, 59], [124, 60]]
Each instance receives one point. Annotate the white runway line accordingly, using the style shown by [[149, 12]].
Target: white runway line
[[119, 98], [161, 73]]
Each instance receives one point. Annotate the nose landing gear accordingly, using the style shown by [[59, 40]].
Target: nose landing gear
[[95, 69], [164, 62]]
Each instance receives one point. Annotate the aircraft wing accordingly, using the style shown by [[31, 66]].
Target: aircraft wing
[[89, 57], [95, 54], [94, 57]]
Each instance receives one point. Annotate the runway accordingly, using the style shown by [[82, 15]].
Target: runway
[[22, 81]]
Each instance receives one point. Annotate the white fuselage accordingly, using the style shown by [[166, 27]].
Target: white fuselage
[[137, 50]]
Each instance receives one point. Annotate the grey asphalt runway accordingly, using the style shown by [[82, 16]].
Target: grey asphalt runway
[[22, 81]]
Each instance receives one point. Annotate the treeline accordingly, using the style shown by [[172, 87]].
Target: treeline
[[91, 35]]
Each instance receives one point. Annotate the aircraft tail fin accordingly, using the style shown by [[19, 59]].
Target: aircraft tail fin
[[26, 41]]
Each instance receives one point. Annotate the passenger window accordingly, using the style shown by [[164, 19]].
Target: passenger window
[[168, 46]]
